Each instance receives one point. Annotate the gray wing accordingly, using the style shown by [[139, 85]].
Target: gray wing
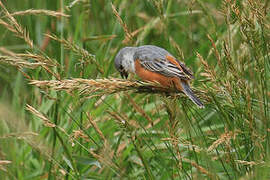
[[154, 59]]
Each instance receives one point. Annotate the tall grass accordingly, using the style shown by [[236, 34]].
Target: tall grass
[[65, 114]]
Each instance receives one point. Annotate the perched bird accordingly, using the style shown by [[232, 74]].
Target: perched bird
[[152, 63]]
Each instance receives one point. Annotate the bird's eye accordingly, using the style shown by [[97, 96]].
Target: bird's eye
[[121, 68]]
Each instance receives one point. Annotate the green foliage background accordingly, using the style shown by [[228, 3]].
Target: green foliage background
[[130, 135]]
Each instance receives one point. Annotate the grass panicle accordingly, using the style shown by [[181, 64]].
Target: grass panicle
[[125, 128], [39, 12], [86, 57], [12, 25]]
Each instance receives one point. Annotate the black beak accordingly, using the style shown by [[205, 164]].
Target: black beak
[[124, 74]]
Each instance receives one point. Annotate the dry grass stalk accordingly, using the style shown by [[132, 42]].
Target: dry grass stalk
[[249, 163], [73, 3], [224, 138], [159, 6], [21, 130], [21, 61], [80, 134], [46, 121], [117, 117], [18, 62], [19, 135], [172, 128], [215, 49], [15, 27], [139, 109], [45, 62], [72, 138], [123, 24], [123, 120], [7, 52], [107, 161], [89, 88], [95, 126], [8, 26], [133, 34], [210, 73], [86, 56], [39, 12], [186, 144], [177, 47], [102, 38], [184, 13], [103, 86], [39, 58], [174, 142], [200, 168], [4, 162], [105, 156], [24, 74]]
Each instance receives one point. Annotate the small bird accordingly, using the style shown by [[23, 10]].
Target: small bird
[[155, 64]]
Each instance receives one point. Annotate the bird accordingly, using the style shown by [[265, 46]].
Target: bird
[[155, 64]]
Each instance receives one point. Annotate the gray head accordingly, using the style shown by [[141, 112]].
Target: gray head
[[124, 61]]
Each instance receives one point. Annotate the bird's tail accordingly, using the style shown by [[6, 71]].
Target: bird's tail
[[187, 90]]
